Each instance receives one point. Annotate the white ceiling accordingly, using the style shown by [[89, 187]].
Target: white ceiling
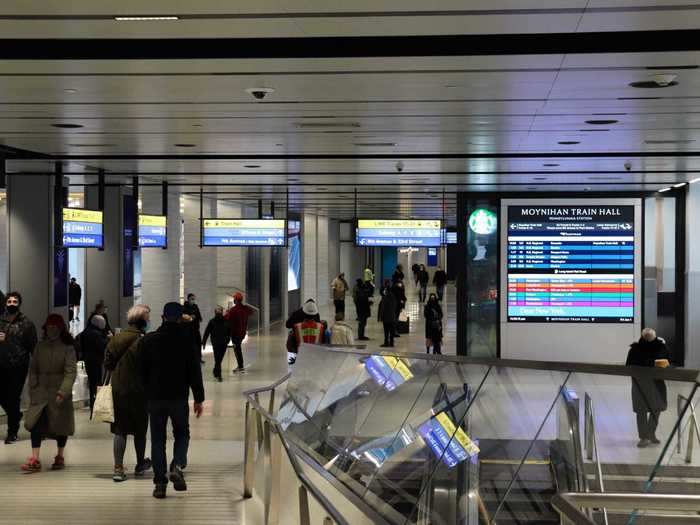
[[435, 106]]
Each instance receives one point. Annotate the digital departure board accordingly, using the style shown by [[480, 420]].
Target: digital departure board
[[398, 233], [571, 263], [82, 228], [244, 232], [153, 231]]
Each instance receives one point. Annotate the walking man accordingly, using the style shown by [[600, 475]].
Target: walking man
[[170, 370]]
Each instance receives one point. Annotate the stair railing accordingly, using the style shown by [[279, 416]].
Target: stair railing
[[693, 429], [591, 443]]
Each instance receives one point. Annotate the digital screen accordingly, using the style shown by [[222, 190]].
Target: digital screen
[[82, 228], [449, 237], [389, 372], [244, 232], [571, 264], [153, 231], [413, 233], [447, 441], [293, 255]]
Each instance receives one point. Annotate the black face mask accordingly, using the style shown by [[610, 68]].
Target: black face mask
[[218, 315], [12, 309]]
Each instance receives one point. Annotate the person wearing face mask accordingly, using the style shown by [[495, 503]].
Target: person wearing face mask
[[101, 309], [123, 361], [51, 376], [191, 309], [17, 341], [218, 329], [92, 344]]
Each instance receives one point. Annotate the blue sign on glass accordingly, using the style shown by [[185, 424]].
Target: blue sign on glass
[[447, 441], [397, 233], [82, 228], [153, 231], [244, 232]]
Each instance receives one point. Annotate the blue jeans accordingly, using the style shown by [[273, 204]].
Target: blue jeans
[[178, 411]]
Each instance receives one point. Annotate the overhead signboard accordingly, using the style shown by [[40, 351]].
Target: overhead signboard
[[244, 232], [398, 233], [82, 228], [153, 231]]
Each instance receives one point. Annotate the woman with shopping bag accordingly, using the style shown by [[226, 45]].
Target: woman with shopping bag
[[52, 373]]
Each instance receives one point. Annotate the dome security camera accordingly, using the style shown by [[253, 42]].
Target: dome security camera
[[399, 166], [664, 79], [628, 165], [259, 93]]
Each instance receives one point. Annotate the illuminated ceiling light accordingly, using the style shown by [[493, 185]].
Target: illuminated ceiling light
[[694, 181], [70, 90], [144, 18], [664, 190], [680, 184]]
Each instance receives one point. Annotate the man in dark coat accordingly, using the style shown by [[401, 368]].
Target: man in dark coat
[[17, 341], [423, 280], [238, 327], [191, 309], [93, 342], [360, 295], [649, 396], [440, 280], [388, 309], [75, 294], [218, 329], [169, 371]]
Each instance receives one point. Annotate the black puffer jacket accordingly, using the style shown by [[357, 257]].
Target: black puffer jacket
[[20, 340], [219, 330]]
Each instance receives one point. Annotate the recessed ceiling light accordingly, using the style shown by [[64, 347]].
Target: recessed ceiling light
[[67, 126], [196, 125], [328, 125], [90, 145], [550, 165], [539, 178], [145, 18], [531, 188], [251, 166], [593, 129], [375, 144], [279, 145], [652, 84], [601, 122], [70, 90], [184, 145], [451, 86], [568, 142]]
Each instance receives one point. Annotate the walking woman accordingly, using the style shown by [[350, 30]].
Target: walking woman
[[51, 376], [130, 413], [433, 325]]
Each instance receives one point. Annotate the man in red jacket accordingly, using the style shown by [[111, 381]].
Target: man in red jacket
[[238, 321]]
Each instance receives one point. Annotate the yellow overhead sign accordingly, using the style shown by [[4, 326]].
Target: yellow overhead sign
[[465, 442], [78, 215], [153, 220], [244, 223], [391, 223]]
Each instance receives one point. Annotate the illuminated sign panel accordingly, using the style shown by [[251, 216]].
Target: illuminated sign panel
[[153, 231], [244, 232], [398, 233], [82, 228]]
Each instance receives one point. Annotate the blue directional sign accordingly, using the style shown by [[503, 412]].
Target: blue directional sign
[[82, 228], [398, 233], [153, 231], [244, 232]]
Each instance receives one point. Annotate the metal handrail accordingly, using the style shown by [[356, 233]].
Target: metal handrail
[[570, 505], [272, 424], [591, 442], [693, 428], [684, 375]]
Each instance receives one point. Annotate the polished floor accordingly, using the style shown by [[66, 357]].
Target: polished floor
[[85, 493]]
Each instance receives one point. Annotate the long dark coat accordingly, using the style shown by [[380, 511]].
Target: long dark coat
[[52, 370], [648, 394]]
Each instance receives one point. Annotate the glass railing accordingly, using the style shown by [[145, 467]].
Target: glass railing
[[440, 440]]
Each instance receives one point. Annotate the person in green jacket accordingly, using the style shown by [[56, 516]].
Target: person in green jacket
[[130, 409]]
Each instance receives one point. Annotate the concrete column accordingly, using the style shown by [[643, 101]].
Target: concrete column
[[231, 262], [160, 269], [104, 269], [31, 244], [323, 281], [199, 263], [692, 339], [309, 254]]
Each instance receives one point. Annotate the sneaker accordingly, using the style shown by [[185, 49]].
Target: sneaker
[[239, 370], [11, 438], [655, 441], [58, 463], [141, 468], [220, 380], [159, 490], [291, 361], [32, 465], [643, 443], [119, 474], [177, 478]]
